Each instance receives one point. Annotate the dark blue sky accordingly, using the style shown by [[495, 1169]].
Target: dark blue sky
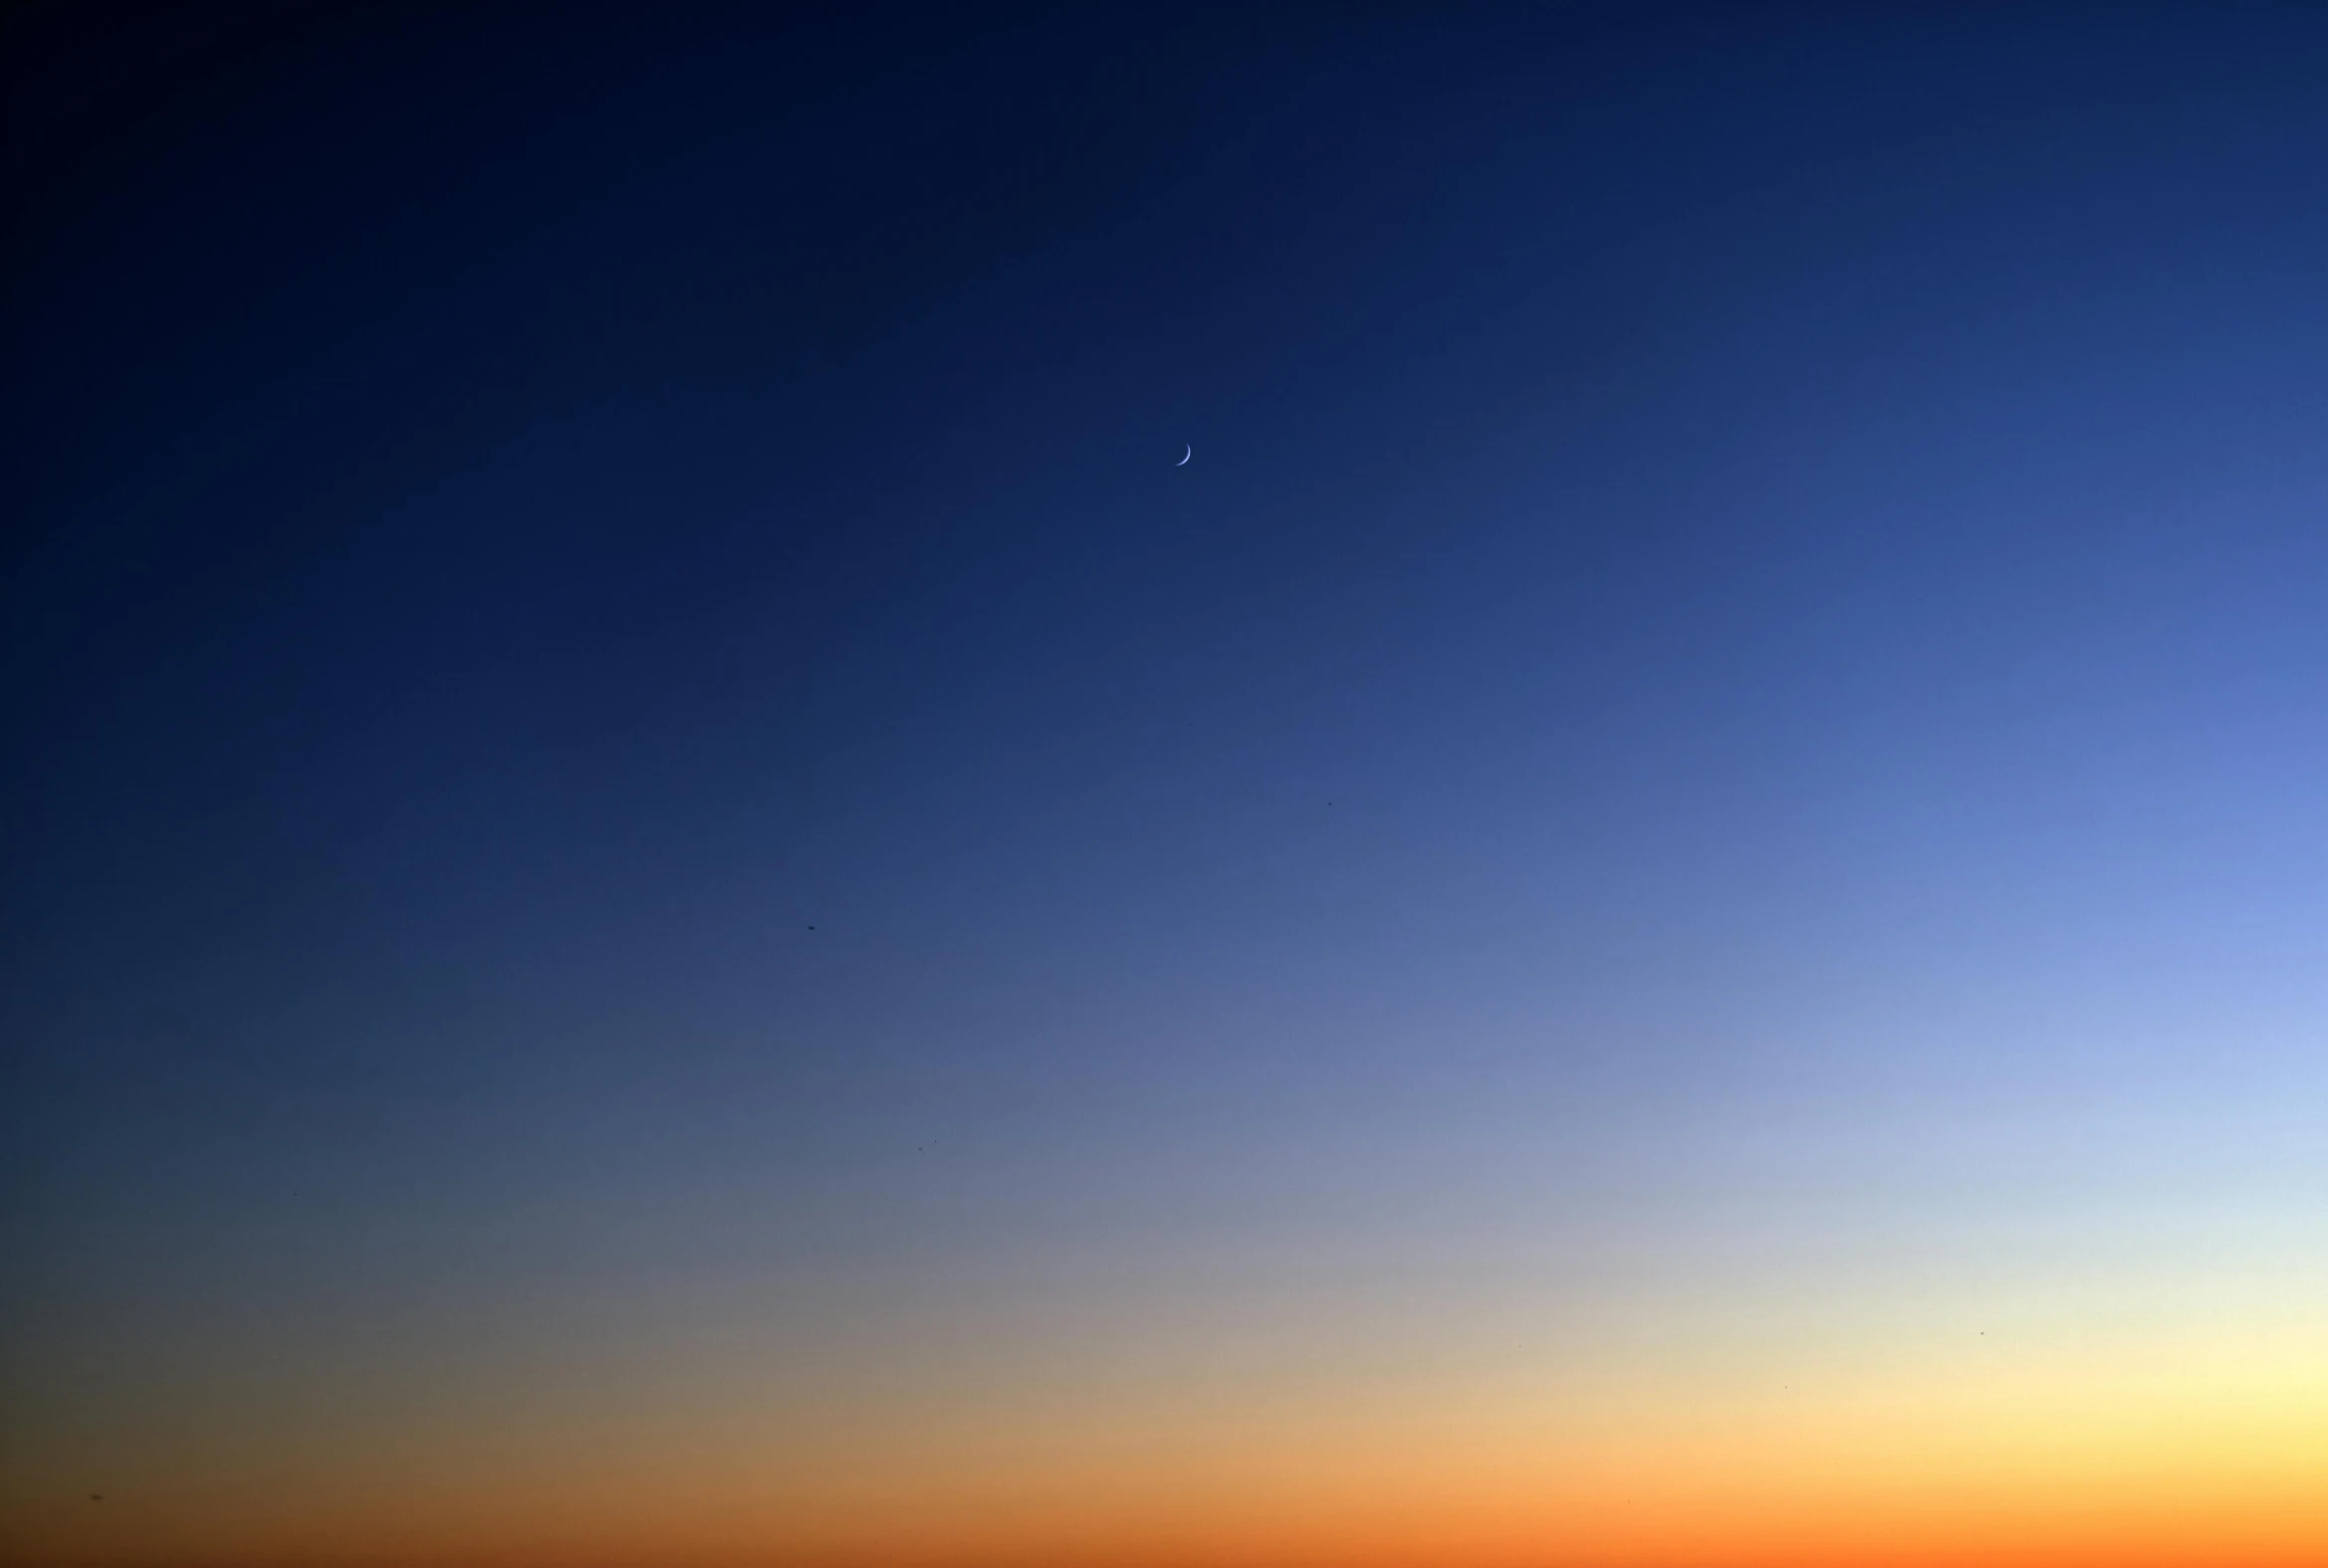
[[605, 646]]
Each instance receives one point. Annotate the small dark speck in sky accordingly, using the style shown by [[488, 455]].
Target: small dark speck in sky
[[1802, 521]]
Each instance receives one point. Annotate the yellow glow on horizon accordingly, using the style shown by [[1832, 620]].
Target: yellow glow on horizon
[[2209, 1451]]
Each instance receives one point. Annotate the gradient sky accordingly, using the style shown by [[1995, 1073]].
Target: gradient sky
[[672, 900]]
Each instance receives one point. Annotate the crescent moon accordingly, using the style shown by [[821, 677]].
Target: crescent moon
[[1182, 463]]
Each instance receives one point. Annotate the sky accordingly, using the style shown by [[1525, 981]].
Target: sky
[[676, 897]]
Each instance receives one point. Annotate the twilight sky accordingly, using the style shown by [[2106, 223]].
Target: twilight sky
[[671, 898]]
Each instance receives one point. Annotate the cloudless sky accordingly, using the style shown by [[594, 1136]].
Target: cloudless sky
[[672, 895]]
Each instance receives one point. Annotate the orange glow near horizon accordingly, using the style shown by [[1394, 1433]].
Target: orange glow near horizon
[[676, 898], [2203, 1454]]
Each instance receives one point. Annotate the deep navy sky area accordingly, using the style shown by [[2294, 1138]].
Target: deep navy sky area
[[606, 649]]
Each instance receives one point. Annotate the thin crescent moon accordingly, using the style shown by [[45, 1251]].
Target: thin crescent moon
[[1182, 463]]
